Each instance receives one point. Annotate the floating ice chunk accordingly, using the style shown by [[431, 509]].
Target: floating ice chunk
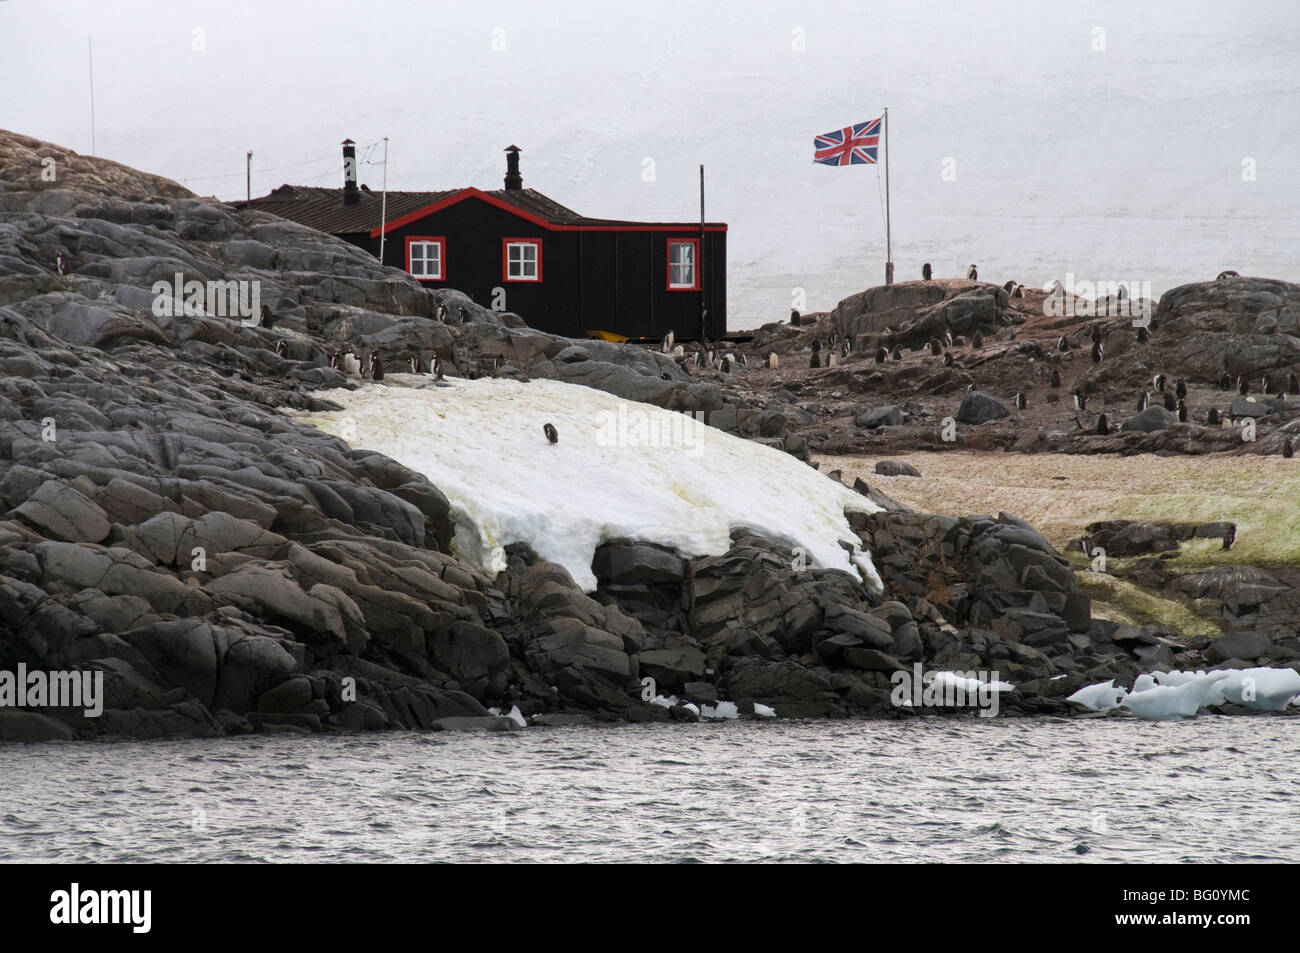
[[517, 717], [720, 710], [969, 686], [763, 711], [1100, 697], [1263, 689], [1144, 683], [691, 706], [667, 701], [1164, 702], [1160, 703], [1175, 678], [620, 469]]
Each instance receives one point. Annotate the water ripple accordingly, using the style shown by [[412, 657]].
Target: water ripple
[[1214, 789]]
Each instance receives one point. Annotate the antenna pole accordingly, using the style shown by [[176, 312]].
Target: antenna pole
[[383, 206], [90, 54]]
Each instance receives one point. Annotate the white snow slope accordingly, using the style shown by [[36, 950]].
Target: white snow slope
[[683, 484]]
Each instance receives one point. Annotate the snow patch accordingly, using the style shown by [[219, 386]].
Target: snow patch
[[481, 443]]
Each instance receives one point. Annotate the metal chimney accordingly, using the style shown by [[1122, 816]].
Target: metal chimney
[[351, 194], [514, 181]]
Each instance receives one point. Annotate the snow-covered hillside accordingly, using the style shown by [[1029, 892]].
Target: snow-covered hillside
[[1116, 155], [619, 469]]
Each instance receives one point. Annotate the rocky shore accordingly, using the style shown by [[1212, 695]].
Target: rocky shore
[[229, 569]]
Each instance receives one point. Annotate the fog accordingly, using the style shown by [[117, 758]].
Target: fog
[[1146, 141]]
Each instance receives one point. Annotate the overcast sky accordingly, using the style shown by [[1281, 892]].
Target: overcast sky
[[1104, 138]]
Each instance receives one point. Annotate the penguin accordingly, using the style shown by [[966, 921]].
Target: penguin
[[336, 361], [414, 361], [1180, 388], [1056, 378], [947, 359], [436, 369], [1225, 382], [816, 345], [1063, 345], [442, 314], [897, 353], [846, 348], [1212, 418], [1021, 400], [742, 361], [351, 366], [1268, 384], [61, 264], [926, 272], [1243, 385], [832, 358], [1143, 335], [972, 273], [977, 340], [881, 355], [1220, 277], [679, 352], [727, 362], [935, 348], [551, 434], [667, 344], [1096, 334], [1144, 398], [1171, 403], [266, 318], [1096, 353], [815, 361], [1019, 292], [947, 338], [1009, 287], [1182, 411], [1080, 400], [1288, 448], [773, 361], [794, 316], [464, 315], [970, 388], [1121, 292], [376, 367], [1103, 426], [1159, 382]]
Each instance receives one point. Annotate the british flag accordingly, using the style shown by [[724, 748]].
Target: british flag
[[852, 145]]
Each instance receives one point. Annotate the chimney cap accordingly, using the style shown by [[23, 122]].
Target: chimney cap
[[512, 149], [347, 142]]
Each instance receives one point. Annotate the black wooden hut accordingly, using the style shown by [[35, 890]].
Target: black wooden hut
[[515, 249]]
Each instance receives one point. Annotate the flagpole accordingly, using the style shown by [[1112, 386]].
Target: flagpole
[[704, 310], [889, 242]]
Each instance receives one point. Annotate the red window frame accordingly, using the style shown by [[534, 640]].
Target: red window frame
[[668, 264], [438, 240], [505, 259]]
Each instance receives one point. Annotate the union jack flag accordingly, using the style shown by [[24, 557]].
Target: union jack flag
[[852, 145]]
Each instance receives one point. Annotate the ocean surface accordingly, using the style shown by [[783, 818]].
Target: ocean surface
[[1216, 789]]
